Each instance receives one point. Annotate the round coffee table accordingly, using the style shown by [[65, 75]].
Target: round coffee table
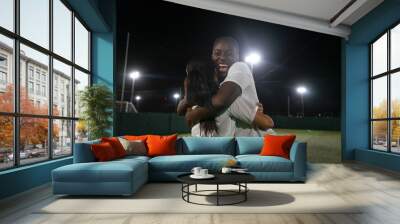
[[238, 179]]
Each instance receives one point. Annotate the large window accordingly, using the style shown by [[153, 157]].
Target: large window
[[81, 45], [34, 21], [7, 14], [44, 64], [385, 91]]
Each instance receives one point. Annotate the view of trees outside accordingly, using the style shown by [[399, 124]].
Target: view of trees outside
[[33, 140], [380, 75], [34, 132], [33, 137], [395, 109], [34, 81], [81, 131], [62, 144], [379, 128], [6, 141], [395, 127]]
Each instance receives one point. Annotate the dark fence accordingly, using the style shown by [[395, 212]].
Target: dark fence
[[311, 123], [150, 123], [167, 123]]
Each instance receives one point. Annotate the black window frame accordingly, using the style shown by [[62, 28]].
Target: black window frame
[[388, 74], [16, 115]]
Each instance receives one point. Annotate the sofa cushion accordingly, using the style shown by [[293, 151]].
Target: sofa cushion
[[277, 145], [135, 137], [83, 152], [249, 145], [116, 145], [135, 147], [159, 145], [257, 163], [111, 171], [132, 158], [185, 163], [103, 152], [206, 145]]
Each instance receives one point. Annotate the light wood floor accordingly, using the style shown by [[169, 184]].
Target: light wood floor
[[378, 189]]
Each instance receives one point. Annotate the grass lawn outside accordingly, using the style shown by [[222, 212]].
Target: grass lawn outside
[[322, 146]]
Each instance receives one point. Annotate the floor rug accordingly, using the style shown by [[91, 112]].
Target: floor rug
[[167, 198]]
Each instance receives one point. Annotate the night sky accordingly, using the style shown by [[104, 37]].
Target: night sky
[[165, 36]]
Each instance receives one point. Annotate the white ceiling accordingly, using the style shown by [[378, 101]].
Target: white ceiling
[[314, 15], [319, 9]]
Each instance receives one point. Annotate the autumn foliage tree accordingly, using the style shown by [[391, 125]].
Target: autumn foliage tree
[[380, 127], [6, 122], [33, 131]]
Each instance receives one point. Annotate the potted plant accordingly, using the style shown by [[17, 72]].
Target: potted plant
[[96, 105]]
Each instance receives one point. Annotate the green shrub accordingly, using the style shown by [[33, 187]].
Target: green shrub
[[96, 102]]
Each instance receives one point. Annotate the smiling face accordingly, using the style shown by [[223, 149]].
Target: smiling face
[[225, 53]]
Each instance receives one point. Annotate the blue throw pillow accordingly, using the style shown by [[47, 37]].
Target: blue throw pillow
[[207, 145]]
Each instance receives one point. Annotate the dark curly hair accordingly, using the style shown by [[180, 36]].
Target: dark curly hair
[[201, 86]]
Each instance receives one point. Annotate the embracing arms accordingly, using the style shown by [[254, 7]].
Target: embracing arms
[[261, 120], [226, 95]]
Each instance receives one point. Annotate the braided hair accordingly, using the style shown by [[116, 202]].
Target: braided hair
[[202, 85]]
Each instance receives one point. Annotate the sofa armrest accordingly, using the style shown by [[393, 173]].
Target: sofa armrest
[[83, 152], [298, 155]]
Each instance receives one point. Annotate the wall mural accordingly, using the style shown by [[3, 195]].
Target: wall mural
[[222, 75]]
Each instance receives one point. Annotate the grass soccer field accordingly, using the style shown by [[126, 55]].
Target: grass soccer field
[[322, 146]]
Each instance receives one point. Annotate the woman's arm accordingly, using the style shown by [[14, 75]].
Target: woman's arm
[[183, 105], [224, 97], [263, 121]]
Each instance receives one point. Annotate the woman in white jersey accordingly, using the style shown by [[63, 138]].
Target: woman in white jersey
[[236, 93], [201, 85]]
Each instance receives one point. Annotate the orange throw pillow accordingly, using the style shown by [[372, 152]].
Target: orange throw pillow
[[277, 145], [116, 145], [136, 137], [103, 152], [161, 145]]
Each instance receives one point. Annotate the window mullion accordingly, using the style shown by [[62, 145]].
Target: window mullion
[[50, 81], [371, 137], [389, 94], [16, 85], [73, 82]]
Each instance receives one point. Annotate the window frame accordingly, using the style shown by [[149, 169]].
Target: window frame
[[388, 74], [16, 114], [3, 69]]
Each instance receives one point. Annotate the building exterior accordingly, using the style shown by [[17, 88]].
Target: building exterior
[[34, 79], [5, 66]]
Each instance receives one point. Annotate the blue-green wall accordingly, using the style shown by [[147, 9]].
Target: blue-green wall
[[24, 178], [100, 16], [91, 13], [103, 50], [355, 89]]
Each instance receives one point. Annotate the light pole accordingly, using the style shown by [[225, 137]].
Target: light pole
[[137, 98], [302, 90], [134, 75], [253, 59], [176, 97]]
